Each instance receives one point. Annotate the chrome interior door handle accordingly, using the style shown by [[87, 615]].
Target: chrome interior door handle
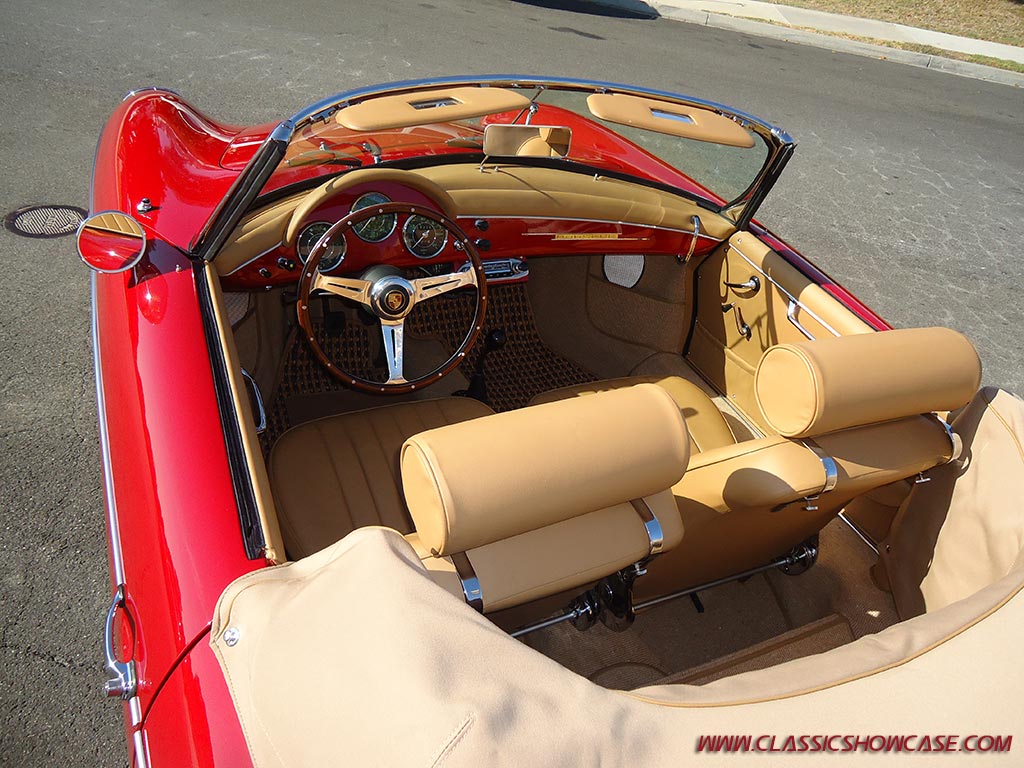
[[753, 284]]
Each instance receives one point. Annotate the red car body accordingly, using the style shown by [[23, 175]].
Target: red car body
[[176, 536]]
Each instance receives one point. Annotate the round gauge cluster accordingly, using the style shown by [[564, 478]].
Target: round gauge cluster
[[424, 236], [375, 228], [310, 236]]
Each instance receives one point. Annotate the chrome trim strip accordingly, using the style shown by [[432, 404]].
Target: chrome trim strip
[[257, 257], [124, 680], [135, 710], [860, 534], [114, 532], [791, 316], [589, 221], [141, 749], [788, 295]]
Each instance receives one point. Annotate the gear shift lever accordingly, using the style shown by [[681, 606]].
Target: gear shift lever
[[495, 340]]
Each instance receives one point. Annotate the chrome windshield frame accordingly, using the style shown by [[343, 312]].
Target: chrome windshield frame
[[265, 161]]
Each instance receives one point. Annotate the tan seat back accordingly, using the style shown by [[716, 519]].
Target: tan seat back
[[523, 505], [853, 414]]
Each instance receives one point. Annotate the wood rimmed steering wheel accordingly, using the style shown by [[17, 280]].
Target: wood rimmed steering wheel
[[390, 298]]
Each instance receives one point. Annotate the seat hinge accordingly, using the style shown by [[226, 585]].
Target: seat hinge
[[471, 587], [831, 474], [654, 532]]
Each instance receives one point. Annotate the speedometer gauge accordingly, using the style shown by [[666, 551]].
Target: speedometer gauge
[[424, 237], [375, 228], [310, 236]]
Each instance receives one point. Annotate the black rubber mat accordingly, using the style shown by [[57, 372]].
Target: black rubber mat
[[523, 368]]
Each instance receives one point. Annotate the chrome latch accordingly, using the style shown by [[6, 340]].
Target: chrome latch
[[809, 502], [921, 479], [122, 682], [742, 328]]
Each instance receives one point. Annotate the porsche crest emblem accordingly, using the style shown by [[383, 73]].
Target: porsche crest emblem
[[395, 300]]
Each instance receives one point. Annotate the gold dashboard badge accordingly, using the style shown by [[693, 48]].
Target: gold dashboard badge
[[588, 236]]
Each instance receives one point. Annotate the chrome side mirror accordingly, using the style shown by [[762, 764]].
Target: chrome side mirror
[[111, 242]]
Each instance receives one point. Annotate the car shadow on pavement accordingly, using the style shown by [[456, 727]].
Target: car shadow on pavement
[[636, 9]]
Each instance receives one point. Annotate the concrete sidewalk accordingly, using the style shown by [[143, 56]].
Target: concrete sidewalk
[[792, 24]]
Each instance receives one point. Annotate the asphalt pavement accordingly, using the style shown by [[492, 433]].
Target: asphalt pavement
[[707, 11], [906, 187]]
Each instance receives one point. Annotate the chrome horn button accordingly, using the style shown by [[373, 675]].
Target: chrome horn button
[[391, 297]]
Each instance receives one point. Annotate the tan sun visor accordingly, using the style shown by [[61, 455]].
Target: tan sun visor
[[665, 117], [422, 107]]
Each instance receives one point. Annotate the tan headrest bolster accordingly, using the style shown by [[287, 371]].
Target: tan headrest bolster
[[821, 386], [474, 483]]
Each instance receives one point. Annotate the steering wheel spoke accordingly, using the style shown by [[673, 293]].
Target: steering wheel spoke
[[429, 287], [346, 287], [393, 332]]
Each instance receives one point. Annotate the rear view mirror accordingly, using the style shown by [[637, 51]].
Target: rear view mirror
[[111, 241], [526, 140]]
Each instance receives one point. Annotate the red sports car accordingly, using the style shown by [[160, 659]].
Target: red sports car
[[477, 421]]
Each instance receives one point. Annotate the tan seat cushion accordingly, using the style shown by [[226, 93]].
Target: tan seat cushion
[[706, 424], [336, 474]]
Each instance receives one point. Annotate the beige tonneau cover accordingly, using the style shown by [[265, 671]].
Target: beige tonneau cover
[[354, 656]]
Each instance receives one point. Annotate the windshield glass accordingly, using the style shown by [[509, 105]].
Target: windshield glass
[[685, 146]]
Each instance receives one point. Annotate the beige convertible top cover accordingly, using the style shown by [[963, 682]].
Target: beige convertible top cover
[[353, 655]]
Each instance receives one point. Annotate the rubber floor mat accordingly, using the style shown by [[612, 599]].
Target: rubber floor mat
[[523, 368]]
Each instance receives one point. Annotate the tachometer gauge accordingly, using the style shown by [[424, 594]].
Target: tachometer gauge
[[310, 236], [424, 237], [376, 228]]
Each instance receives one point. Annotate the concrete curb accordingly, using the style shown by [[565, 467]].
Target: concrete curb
[[838, 44]]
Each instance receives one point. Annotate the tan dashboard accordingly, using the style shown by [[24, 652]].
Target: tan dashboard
[[464, 191]]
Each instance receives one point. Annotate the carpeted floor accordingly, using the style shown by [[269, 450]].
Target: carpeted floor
[[765, 620]]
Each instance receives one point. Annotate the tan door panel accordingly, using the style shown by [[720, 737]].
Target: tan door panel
[[720, 348]]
